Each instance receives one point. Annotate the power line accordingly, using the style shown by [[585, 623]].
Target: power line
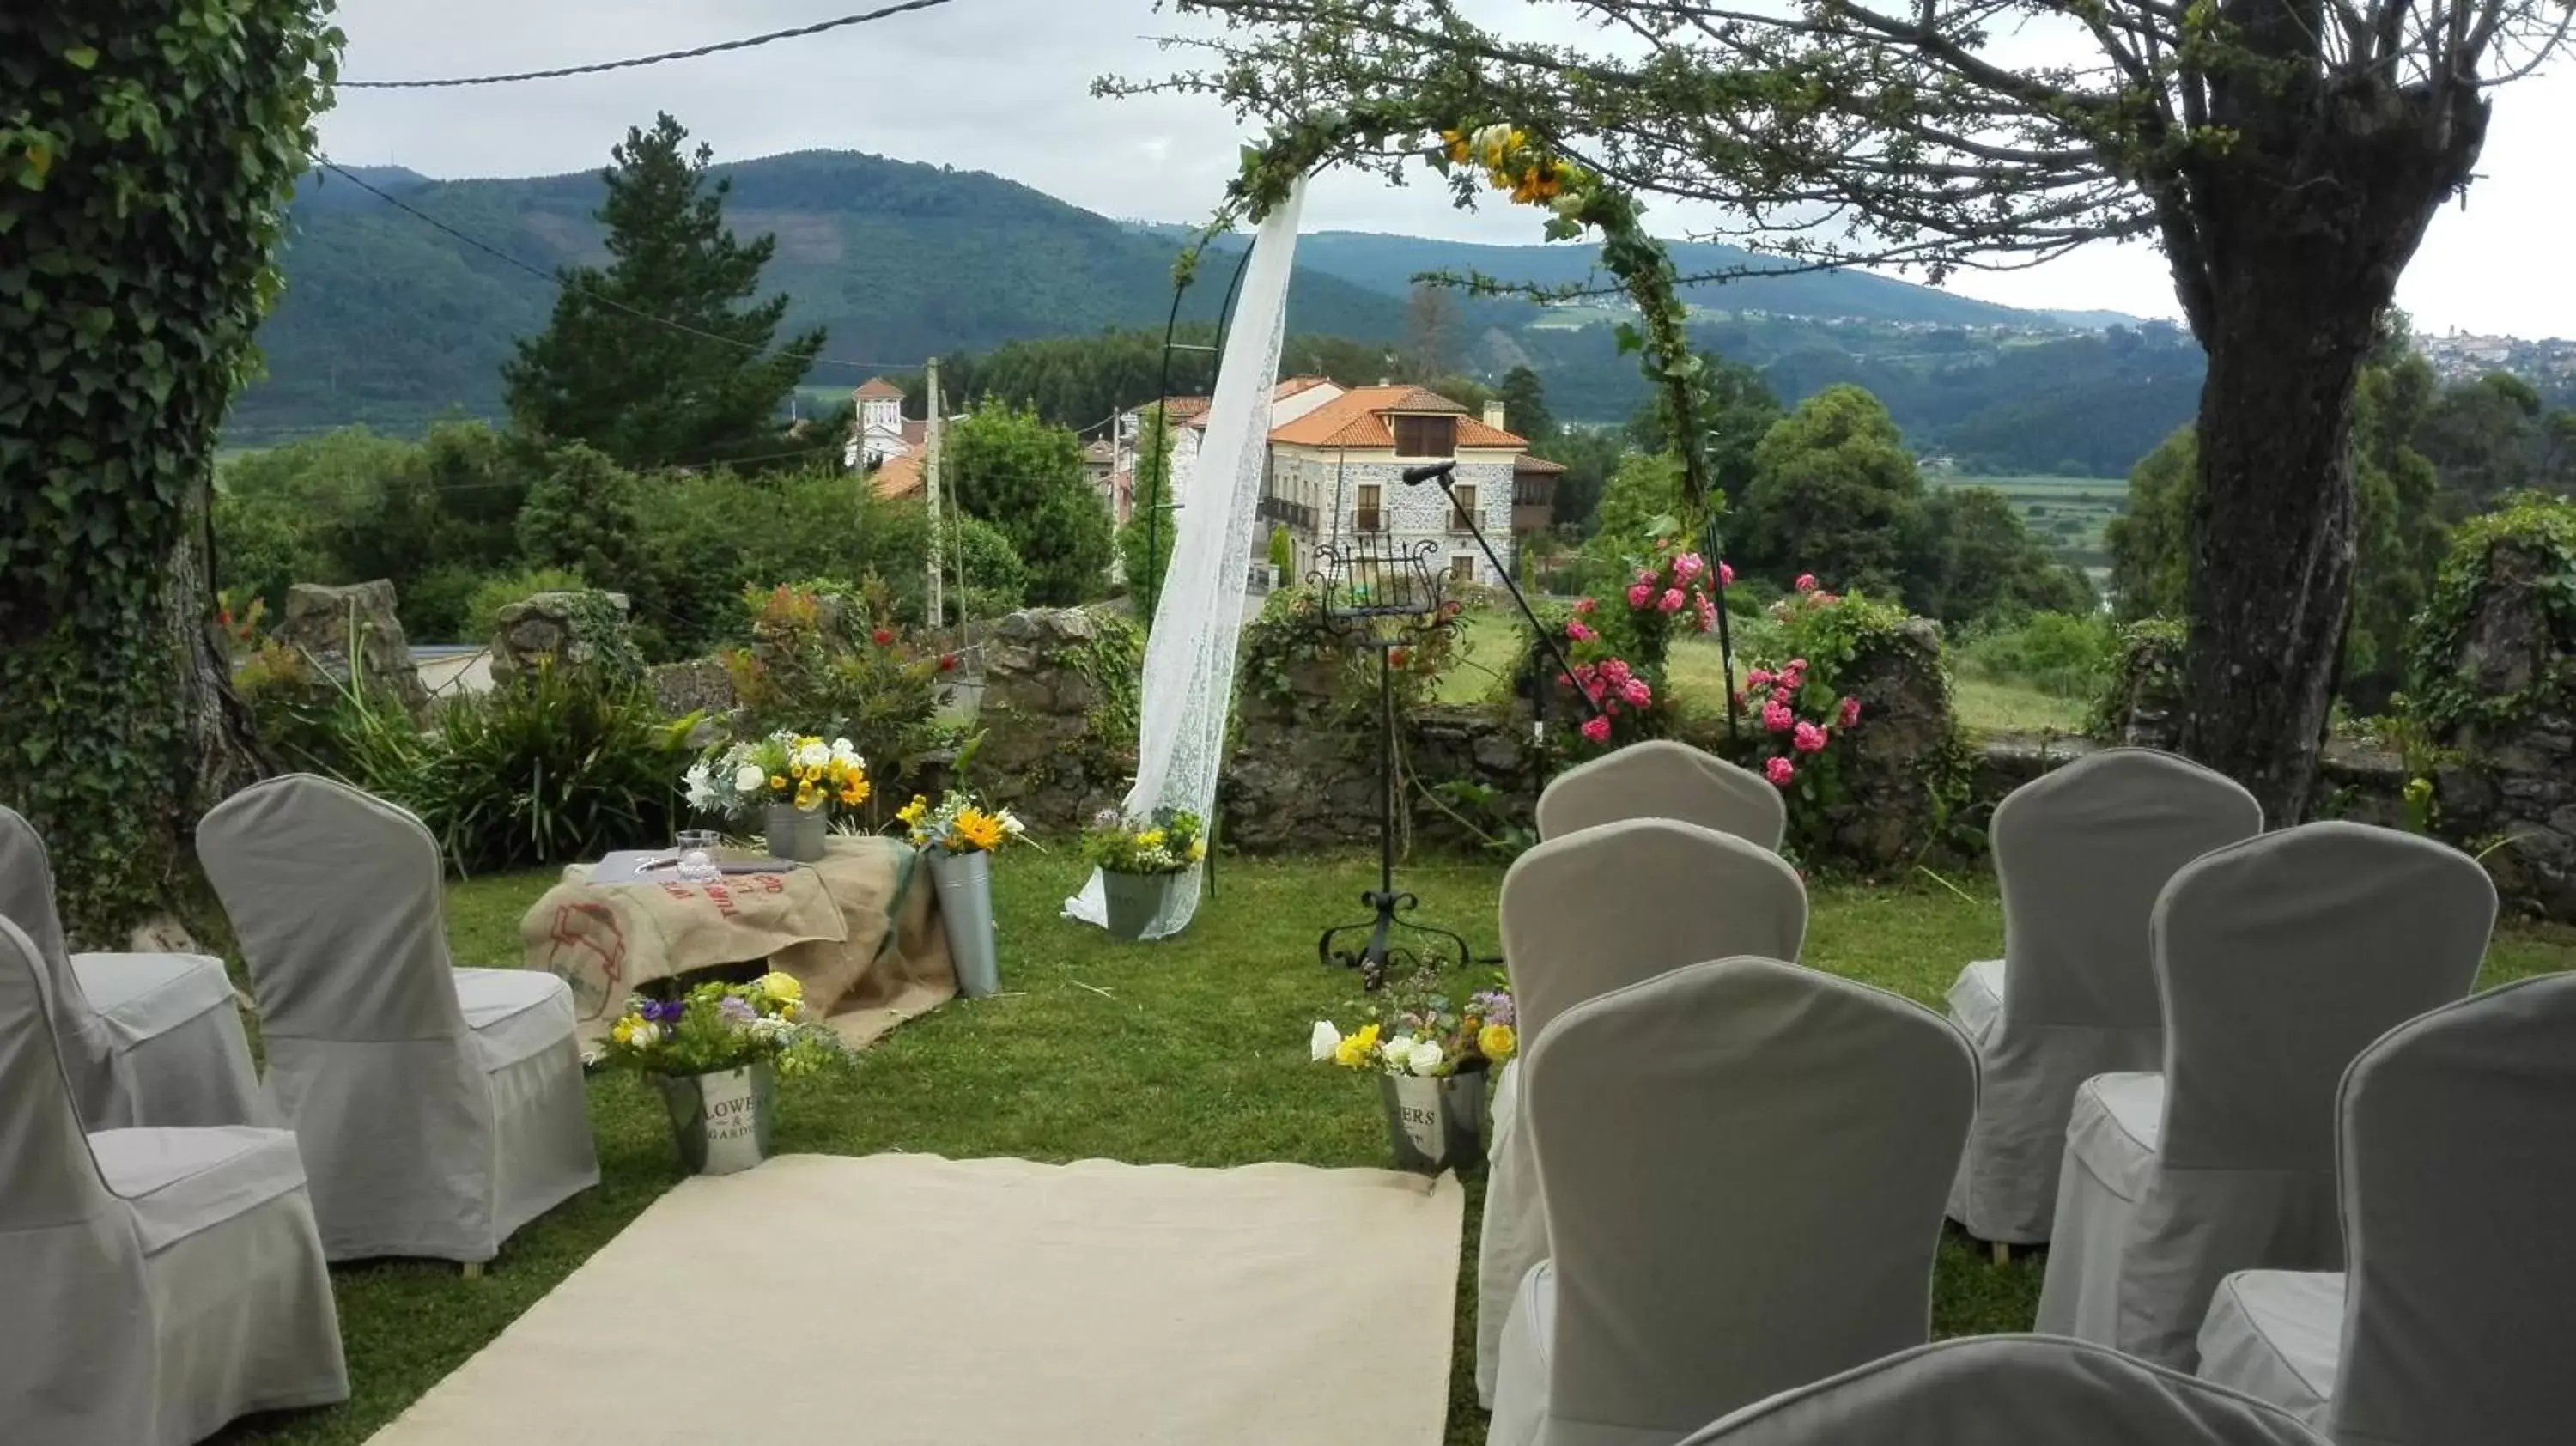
[[745, 44], [488, 249]]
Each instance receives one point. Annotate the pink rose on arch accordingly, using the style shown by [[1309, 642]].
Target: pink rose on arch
[[1671, 601], [1640, 595], [1687, 566], [1598, 730], [1808, 738], [1806, 582], [1797, 668], [1780, 771], [1579, 632], [1584, 607], [1825, 599], [1851, 711], [1707, 614], [1636, 693], [1725, 574], [1648, 576], [1758, 678], [1776, 717]]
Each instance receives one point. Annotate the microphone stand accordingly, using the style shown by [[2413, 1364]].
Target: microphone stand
[[1441, 473]]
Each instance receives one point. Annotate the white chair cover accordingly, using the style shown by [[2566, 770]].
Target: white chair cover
[[1585, 914], [2453, 1323], [158, 1283], [1660, 778], [147, 1039], [2082, 853], [438, 1109], [1744, 1163], [2009, 1391], [2279, 959]]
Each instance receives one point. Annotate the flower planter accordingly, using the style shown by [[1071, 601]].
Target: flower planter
[[721, 1121], [1435, 1123], [965, 885], [1134, 901], [796, 834]]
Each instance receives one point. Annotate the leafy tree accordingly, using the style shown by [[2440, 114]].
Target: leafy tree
[[645, 393], [1524, 399], [1026, 478], [1742, 410], [1983, 565], [2285, 155], [2150, 560], [1835, 494], [1145, 541], [1590, 455], [581, 517], [2484, 437], [146, 151]]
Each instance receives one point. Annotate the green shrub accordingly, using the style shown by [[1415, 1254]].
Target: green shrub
[[557, 766], [831, 660], [483, 607], [2061, 654]]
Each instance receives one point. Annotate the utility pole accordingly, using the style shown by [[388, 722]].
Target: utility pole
[[938, 613]]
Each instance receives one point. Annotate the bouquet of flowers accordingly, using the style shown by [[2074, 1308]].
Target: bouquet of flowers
[[717, 1027], [1420, 1030], [961, 824], [1167, 843], [784, 767]]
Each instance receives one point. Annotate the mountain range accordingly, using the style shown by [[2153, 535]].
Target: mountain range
[[392, 316]]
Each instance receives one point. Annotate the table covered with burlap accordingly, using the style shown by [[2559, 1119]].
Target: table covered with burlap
[[860, 930]]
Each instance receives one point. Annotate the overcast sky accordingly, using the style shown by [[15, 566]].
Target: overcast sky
[[1004, 86]]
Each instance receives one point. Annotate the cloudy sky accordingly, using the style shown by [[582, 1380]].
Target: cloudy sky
[[1004, 86]]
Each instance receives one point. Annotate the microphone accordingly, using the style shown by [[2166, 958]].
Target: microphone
[[1414, 475]]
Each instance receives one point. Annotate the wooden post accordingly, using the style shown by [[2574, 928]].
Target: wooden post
[[936, 613]]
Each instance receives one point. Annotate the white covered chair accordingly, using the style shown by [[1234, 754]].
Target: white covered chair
[[2082, 853], [157, 1283], [1745, 1163], [1584, 914], [148, 1039], [2009, 1391], [2452, 1320], [438, 1109], [2279, 960], [1660, 778]]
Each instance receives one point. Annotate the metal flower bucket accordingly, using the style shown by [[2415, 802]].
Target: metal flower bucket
[[796, 834], [965, 884], [723, 1120], [1435, 1123], [1134, 901]]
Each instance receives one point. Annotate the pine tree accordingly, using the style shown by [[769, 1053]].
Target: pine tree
[[646, 393]]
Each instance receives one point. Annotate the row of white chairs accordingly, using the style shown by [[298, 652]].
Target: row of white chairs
[[1657, 1086], [166, 1213]]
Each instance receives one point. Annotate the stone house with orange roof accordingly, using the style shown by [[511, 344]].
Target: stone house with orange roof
[[1336, 477]]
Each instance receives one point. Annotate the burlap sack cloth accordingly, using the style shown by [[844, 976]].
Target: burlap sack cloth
[[860, 930]]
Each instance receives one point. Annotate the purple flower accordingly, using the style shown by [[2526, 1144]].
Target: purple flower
[[737, 1009], [662, 1011], [1491, 1006]]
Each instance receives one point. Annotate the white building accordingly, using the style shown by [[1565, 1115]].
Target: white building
[[1336, 476], [1293, 398], [879, 432]]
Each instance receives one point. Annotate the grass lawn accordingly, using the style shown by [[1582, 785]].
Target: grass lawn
[[1191, 1052]]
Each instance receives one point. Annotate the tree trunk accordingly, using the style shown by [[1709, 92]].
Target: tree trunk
[[216, 736]]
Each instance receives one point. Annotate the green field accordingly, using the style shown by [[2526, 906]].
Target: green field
[[2068, 513]]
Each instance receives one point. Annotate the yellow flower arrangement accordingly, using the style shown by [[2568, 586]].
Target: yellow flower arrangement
[[802, 770], [1497, 1041], [911, 814], [960, 824], [1354, 1050], [979, 829]]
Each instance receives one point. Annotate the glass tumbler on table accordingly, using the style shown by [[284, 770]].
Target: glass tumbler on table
[[697, 847]]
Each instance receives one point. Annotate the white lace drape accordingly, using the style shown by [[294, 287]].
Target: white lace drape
[[1190, 655]]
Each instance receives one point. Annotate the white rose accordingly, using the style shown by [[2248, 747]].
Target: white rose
[[1424, 1058], [645, 1036], [813, 755], [1395, 1052], [749, 778], [701, 786], [1324, 1041]]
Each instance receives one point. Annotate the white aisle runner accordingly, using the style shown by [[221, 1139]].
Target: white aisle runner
[[908, 1300]]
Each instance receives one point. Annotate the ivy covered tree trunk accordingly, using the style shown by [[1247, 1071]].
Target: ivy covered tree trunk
[[2286, 248], [147, 150]]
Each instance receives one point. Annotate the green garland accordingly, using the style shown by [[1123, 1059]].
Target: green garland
[[2146, 658], [2530, 544], [147, 151]]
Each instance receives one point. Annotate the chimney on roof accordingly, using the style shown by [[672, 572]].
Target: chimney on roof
[[1386, 381], [1494, 416]]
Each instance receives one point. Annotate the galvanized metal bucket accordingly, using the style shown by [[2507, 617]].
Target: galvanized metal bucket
[[965, 884], [722, 1120], [796, 834], [1134, 901], [1435, 1123]]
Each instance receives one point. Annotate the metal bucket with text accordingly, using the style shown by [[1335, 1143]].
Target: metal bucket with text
[[965, 885], [1435, 1123], [722, 1120]]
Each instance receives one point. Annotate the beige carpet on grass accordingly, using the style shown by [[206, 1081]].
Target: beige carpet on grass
[[899, 1299]]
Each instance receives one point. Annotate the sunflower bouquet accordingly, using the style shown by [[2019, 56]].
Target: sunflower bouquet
[[961, 824], [812, 775]]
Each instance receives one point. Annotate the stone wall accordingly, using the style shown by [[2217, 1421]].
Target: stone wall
[[1057, 717], [338, 629], [1330, 486], [567, 629]]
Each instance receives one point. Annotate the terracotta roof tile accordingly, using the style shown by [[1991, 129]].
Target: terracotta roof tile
[[1527, 463], [898, 477], [876, 389], [1357, 420]]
